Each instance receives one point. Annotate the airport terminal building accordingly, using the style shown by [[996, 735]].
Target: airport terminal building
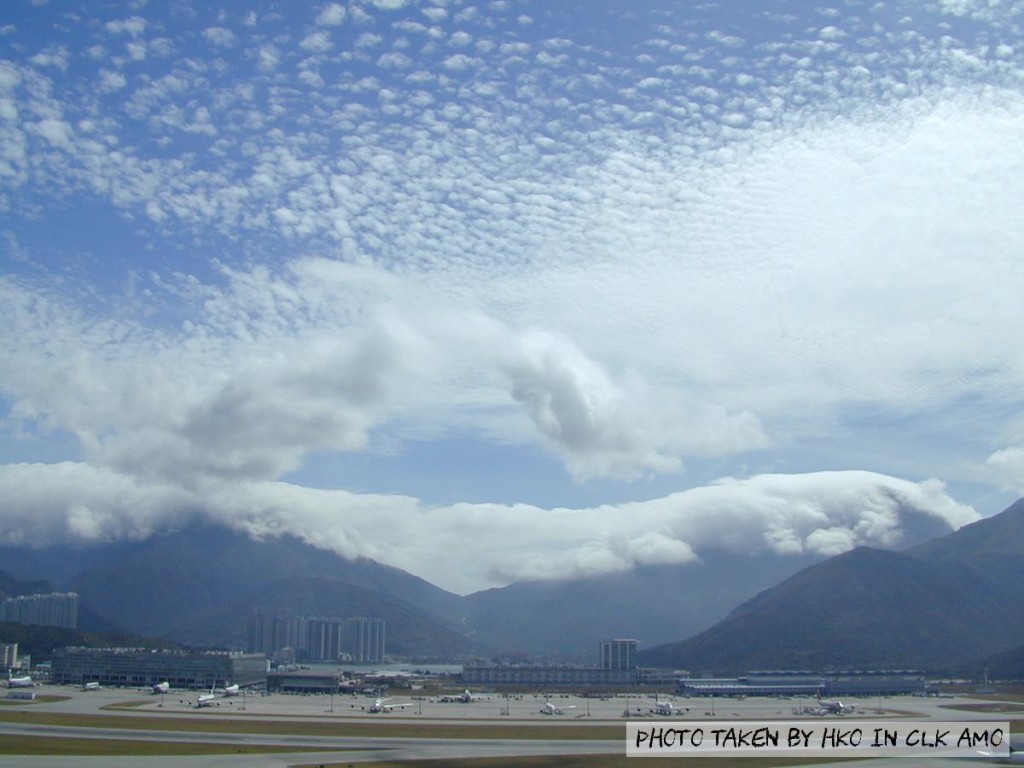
[[546, 675], [135, 667]]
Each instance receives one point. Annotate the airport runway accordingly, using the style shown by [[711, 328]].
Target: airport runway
[[515, 712]]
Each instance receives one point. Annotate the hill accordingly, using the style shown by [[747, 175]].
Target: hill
[[938, 606], [653, 604], [1005, 665], [931, 605], [12, 587], [39, 642], [199, 586]]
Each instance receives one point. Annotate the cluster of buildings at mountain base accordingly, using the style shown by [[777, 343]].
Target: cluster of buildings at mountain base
[[362, 640], [355, 639], [132, 667], [616, 666], [204, 670]]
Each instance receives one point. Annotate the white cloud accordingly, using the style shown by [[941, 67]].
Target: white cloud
[[317, 42], [52, 57], [133, 26], [111, 81], [219, 36], [269, 58], [331, 15], [610, 429], [435, 14], [1008, 464], [825, 514], [460, 62], [69, 502], [333, 352]]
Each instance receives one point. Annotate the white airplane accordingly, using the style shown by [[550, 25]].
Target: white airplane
[[231, 690], [382, 705], [206, 700], [465, 697], [667, 707], [163, 687], [551, 709], [20, 682], [90, 686], [834, 707]]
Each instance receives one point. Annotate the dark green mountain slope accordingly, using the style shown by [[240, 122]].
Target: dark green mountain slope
[[39, 642]]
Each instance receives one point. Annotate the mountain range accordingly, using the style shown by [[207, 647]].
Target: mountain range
[[198, 586], [947, 603]]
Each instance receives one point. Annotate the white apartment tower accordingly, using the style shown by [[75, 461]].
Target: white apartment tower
[[617, 654], [363, 639]]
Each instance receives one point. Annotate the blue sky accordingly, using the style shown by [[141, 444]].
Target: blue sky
[[507, 290]]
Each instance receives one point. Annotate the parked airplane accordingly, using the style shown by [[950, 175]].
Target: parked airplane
[[667, 707], [382, 705], [551, 709], [209, 699], [833, 707], [206, 700], [464, 698], [163, 687], [20, 682], [90, 686]]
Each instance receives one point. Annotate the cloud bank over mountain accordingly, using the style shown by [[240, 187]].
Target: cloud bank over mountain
[[465, 547]]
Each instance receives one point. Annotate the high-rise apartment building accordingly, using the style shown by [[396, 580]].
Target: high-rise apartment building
[[617, 654], [58, 609], [364, 639], [317, 638], [8, 656]]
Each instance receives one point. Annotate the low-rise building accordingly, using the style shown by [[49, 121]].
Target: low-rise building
[[804, 683], [546, 676], [136, 667]]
